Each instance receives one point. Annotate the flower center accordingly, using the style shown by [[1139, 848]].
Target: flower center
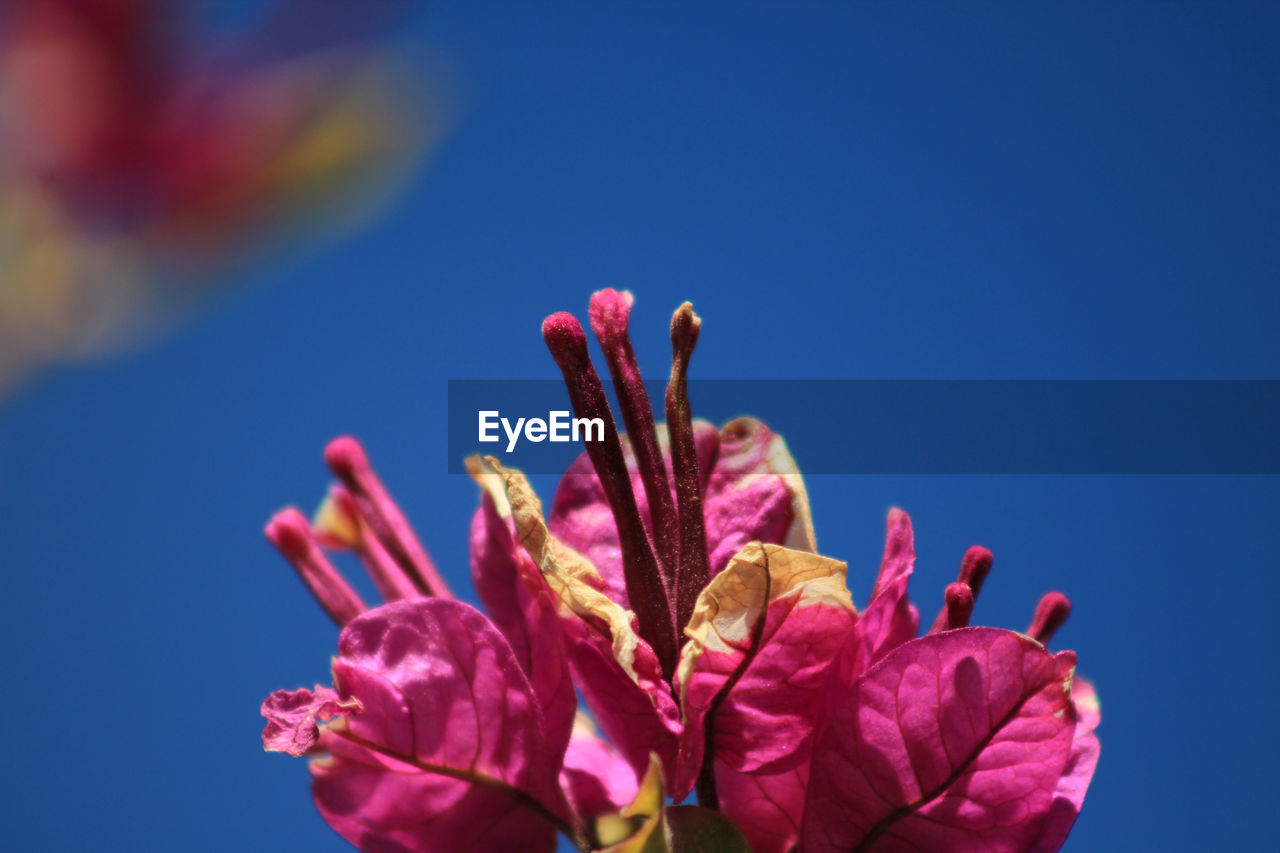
[[663, 576]]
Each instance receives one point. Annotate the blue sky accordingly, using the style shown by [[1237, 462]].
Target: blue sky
[[844, 191]]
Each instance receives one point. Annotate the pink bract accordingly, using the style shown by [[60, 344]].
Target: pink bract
[[676, 588]]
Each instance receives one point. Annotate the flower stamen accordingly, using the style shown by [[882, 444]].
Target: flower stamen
[[958, 608], [338, 524], [1051, 614], [694, 569], [290, 533], [609, 313], [349, 463], [974, 568], [646, 587]]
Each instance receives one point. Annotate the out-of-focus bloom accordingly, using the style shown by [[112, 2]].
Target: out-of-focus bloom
[[712, 644], [135, 164]]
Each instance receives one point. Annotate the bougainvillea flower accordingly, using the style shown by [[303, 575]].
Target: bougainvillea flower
[[440, 741], [965, 739], [137, 162], [438, 718], [726, 487], [802, 722]]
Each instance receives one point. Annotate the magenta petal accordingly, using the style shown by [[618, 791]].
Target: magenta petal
[[955, 741], [448, 752], [293, 717], [766, 806], [899, 551], [521, 605], [581, 518], [1069, 798], [1088, 707], [761, 640], [1078, 773], [596, 778], [754, 493], [616, 671], [636, 712], [497, 582], [764, 679], [889, 619]]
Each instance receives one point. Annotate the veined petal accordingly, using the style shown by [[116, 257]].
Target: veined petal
[[616, 671], [754, 492], [581, 518], [447, 752], [1076, 776], [522, 606], [767, 805], [889, 619], [762, 636], [955, 741]]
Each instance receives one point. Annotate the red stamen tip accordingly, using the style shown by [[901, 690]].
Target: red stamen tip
[[350, 464], [566, 340], [1051, 614], [975, 567], [291, 534], [610, 313], [289, 531], [959, 599], [344, 454]]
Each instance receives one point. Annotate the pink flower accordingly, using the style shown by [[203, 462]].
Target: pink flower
[[712, 644], [139, 160], [437, 722], [837, 730]]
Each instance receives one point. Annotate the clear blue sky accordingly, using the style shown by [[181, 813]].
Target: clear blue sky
[[843, 190]]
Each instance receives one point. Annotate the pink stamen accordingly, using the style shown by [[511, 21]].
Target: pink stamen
[[610, 315], [1051, 614], [957, 610], [646, 587], [974, 568], [393, 582], [694, 569], [349, 463], [290, 533]]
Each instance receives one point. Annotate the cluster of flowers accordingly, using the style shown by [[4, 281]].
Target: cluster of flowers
[[676, 586]]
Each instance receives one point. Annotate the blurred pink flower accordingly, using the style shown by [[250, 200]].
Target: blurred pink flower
[[139, 163]]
